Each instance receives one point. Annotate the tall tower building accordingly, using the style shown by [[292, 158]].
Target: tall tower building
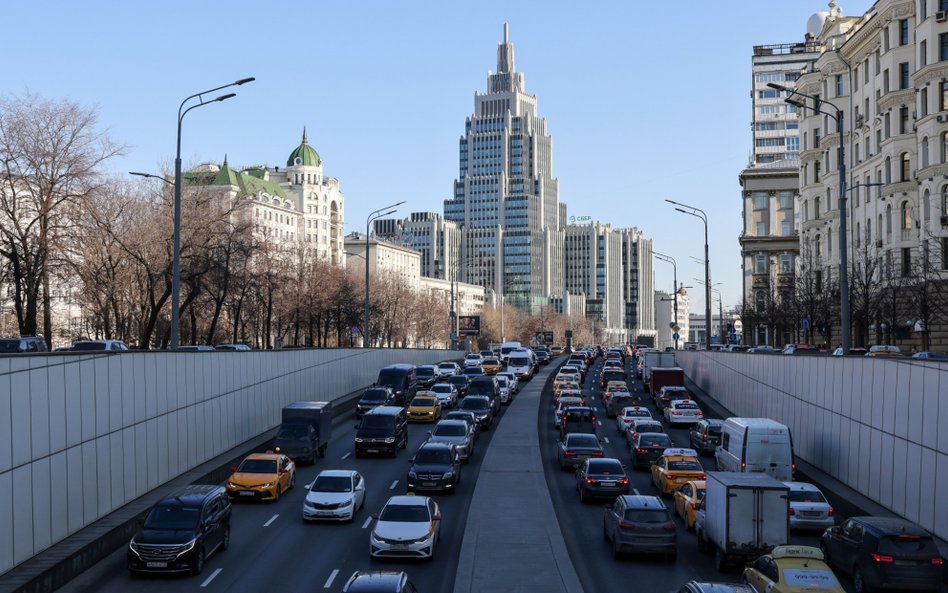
[[438, 240], [506, 199], [594, 266]]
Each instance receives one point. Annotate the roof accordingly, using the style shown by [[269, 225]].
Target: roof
[[892, 525], [407, 500], [270, 456], [193, 493], [307, 155], [374, 579], [643, 501], [336, 473], [249, 182]]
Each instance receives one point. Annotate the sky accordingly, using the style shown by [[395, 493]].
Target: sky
[[645, 101]]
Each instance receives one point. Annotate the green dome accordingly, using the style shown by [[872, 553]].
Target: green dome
[[306, 154]]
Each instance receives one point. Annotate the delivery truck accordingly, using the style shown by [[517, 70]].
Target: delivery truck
[[305, 430], [654, 359], [745, 516], [670, 376]]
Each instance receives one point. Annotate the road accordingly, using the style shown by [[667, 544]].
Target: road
[[272, 549], [582, 523]]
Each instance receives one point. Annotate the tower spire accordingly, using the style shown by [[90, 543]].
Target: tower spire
[[505, 54], [304, 134]]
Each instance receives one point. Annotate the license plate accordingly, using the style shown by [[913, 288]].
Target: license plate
[[812, 514], [247, 493], [157, 565], [324, 513], [399, 546], [905, 563], [371, 450], [607, 483], [429, 484]]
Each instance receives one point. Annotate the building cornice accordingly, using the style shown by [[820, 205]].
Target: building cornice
[[897, 98], [931, 72], [933, 171]]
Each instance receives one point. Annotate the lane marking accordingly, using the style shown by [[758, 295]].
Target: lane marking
[[392, 487], [599, 422], [208, 580], [272, 519], [332, 577], [367, 521], [606, 440], [347, 455], [635, 491]]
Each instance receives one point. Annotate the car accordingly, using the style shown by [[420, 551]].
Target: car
[[382, 430], [880, 350], [196, 348], [613, 386], [468, 418], [503, 387], [435, 466], [675, 467], [737, 348], [447, 395], [556, 350], [930, 355], [261, 476], [566, 401], [491, 366], [543, 357], [335, 494], [456, 432], [473, 371], [619, 401], [98, 346], [460, 383], [426, 375], [578, 419], [379, 582], [884, 552], [639, 425], [802, 350], [448, 369], [705, 435], [576, 448], [402, 379], [473, 359], [687, 498], [852, 352], [406, 527], [808, 507], [181, 531], [628, 414], [570, 371], [569, 392], [763, 349], [647, 448], [424, 407], [707, 587], [666, 394], [571, 387], [791, 569], [512, 380], [638, 523], [233, 347], [601, 478], [486, 386], [23, 344], [683, 411], [611, 375], [482, 409], [374, 397]]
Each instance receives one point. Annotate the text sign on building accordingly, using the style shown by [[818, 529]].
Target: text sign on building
[[573, 219], [469, 325]]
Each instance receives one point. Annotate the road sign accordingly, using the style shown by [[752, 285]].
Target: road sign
[[676, 337], [355, 330], [547, 337], [676, 328], [804, 324]]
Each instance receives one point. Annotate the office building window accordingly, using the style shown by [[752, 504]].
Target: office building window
[[923, 101], [922, 10], [888, 170], [786, 263], [885, 39], [786, 228], [760, 200], [761, 229], [903, 120], [925, 152], [885, 81], [903, 32], [943, 149], [906, 168], [839, 85], [923, 53], [786, 200], [816, 171], [760, 263], [943, 97], [943, 47], [906, 262], [816, 207], [904, 75]]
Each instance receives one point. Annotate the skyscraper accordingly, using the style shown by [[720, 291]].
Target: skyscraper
[[506, 199]]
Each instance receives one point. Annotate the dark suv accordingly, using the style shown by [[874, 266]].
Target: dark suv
[[25, 344], [706, 435], [181, 532], [402, 379], [383, 430], [435, 466], [884, 553], [480, 406], [374, 397], [379, 582]]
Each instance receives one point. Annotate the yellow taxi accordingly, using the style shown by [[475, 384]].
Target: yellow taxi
[[792, 569], [424, 408], [674, 468], [565, 386], [491, 366], [687, 499], [556, 351], [261, 476]]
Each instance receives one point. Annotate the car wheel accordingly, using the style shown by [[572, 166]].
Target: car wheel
[[826, 556], [605, 532], [859, 583], [616, 549], [225, 542], [582, 495], [198, 566]]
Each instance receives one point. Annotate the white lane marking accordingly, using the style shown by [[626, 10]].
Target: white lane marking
[[635, 491], [332, 577], [392, 487], [367, 521], [605, 440], [272, 519], [347, 455], [599, 422], [208, 580]]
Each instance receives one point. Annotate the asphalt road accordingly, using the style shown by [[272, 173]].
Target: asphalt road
[[272, 549], [582, 523]]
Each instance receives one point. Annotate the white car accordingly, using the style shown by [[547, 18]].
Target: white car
[[683, 411], [473, 360], [808, 507], [335, 494], [408, 526], [628, 414], [503, 386], [512, 379], [448, 369], [642, 425], [447, 395], [564, 402]]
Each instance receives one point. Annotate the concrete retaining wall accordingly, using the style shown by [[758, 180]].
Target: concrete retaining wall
[[878, 425], [82, 435]]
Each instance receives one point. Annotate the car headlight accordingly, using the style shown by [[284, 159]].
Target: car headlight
[[133, 546], [267, 485], [412, 474], [390, 440], [358, 440], [375, 539], [188, 547], [448, 475], [232, 485]]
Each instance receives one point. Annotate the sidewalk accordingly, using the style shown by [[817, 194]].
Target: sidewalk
[[512, 541]]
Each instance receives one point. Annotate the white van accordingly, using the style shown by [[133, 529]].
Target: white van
[[506, 348], [758, 445], [521, 363]]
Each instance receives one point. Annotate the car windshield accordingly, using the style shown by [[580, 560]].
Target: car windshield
[[391, 378], [426, 371], [405, 513], [423, 402], [459, 415], [621, 400], [714, 431], [433, 456], [332, 484], [293, 431], [458, 380], [374, 396], [9, 346], [449, 430], [684, 466], [582, 440], [442, 388], [908, 544], [448, 366], [481, 388], [653, 516], [655, 440], [258, 466], [602, 466], [474, 404], [502, 381], [636, 413], [473, 371], [806, 496], [519, 361], [686, 406], [83, 346], [172, 517], [372, 421]]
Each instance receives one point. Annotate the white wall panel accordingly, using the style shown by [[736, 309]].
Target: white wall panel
[[20, 412], [40, 492], [88, 482], [6, 428], [6, 516], [39, 414], [22, 532], [941, 491], [72, 482], [56, 385], [58, 507], [72, 394]]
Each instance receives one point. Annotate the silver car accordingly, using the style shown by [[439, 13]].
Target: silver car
[[456, 432], [447, 395], [503, 386], [512, 380]]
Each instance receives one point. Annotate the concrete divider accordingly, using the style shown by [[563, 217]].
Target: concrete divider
[[875, 424], [83, 435]]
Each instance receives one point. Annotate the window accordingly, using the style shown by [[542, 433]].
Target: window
[[925, 152], [943, 148], [857, 235], [923, 102], [944, 253], [760, 263], [786, 200], [819, 281], [903, 32], [865, 71], [816, 171], [922, 9], [904, 75], [943, 47], [839, 85], [926, 206], [786, 228], [761, 229], [906, 262], [906, 168], [868, 231], [885, 39], [885, 81], [943, 97], [786, 263], [888, 222], [923, 53], [818, 246], [905, 216], [888, 170], [760, 200]]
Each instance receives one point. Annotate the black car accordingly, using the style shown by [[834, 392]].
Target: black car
[[460, 383], [23, 344], [402, 379], [617, 402], [481, 407], [647, 447], [488, 386], [181, 531], [436, 466], [379, 582], [884, 553], [374, 397], [577, 448], [601, 478], [467, 417], [577, 419], [543, 357], [610, 375], [706, 435], [382, 430], [426, 375]]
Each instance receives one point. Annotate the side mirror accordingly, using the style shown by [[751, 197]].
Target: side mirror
[[375, 516], [835, 530], [285, 470], [233, 469], [436, 518]]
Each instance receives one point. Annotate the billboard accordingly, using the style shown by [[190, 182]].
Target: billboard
[[547, 338], [469, 325]]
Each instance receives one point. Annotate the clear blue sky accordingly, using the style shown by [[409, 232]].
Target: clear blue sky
[[645, 100]]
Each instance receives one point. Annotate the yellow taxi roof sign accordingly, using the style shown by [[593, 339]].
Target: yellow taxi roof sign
[[676, 452], [797, 552]]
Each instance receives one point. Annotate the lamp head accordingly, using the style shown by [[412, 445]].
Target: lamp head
[[225, 97], [776, 86], [245, 80]]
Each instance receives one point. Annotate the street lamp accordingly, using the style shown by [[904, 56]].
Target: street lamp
[[720, 307], [699, 213], [841, 165], [456, 301], [176, 258], [390, 209], [671, 260]]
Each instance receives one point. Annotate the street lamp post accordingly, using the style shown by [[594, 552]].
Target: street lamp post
[[841, 165], [699, 213], [374, 215], [176, 256], [671, 260]]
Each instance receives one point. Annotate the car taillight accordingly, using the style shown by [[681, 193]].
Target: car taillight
[[704, 438], [743, 466], [670, 476], [937, 561], [669, 527], [641, 451], [569, 453], [676, 413], [626, 525], [624, 482], [829, 513], [882, 558], [591, 481], [791, 512], [699, 413], [702, 477], [597, 453], [793, 470]]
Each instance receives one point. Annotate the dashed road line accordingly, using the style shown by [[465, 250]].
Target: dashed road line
[[635, 491], [392, 487], [272, 519], [605, 440], [599, 422], [368, 520], [208, 580], [346, 456], [332, 577]]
